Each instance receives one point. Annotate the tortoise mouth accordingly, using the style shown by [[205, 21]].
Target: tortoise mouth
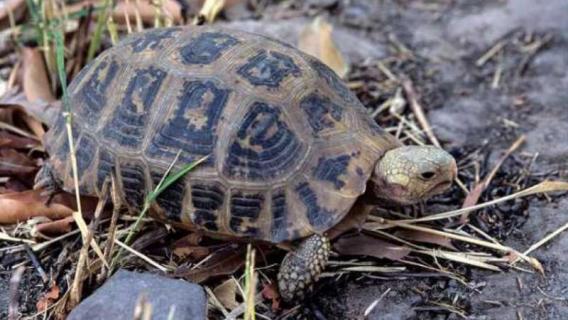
[[440, 187]]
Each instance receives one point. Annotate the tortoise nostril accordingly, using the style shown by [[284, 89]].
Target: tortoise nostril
[[428, 175]]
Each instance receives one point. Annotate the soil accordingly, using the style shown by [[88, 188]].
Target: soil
[[470, 115], [467, 113]]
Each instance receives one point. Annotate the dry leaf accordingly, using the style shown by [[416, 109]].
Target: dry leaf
[[419, 236], [14, 7], [20, 206], [223, 262], [363, 245], [35, 81], [8, 140], [48, 298], [54, 228], [15, 207], [13, 163], [226, 293], [316, 39], [211, 9], [146, 10], [271, 292]]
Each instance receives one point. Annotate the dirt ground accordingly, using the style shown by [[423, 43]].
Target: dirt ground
[[472, 104], [467, 113]]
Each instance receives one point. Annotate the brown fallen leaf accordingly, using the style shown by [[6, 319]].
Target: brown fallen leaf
[[35, 81], [270, 292], [226, 293], [223, 262], [15, 105], [316, 39], [364, 245], [188, 247], [54, 228], [8, 140], [14, 163], [48, 298], [16, 207], [419, 236], [11, 7], [210, 10], [20, 206], [146, 11]]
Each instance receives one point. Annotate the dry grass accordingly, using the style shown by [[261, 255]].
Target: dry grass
[[121, 236]]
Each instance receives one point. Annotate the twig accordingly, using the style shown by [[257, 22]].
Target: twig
[[412, 98], [473, 197], [14, 293], [37, 265], [490, 53], [141, 256]]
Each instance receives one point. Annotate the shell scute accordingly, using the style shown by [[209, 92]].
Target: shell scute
[[207, 47], [269, 68], [264, 147], [192, 124], [128, 124]]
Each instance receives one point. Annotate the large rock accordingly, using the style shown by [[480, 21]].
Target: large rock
[[118, 297]]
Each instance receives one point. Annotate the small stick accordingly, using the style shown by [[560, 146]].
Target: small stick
[[473, 197], [141, 256], [36, 263], [490, 53], [412, 98], [14, 294]]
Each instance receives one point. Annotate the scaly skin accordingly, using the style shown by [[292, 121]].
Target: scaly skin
[[302, 267], [403, 175]]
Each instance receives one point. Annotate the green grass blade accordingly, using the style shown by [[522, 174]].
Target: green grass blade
[[172, 178], [101, 23]]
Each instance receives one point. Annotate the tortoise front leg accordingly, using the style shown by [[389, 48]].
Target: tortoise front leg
[[302, 267], [46, 181]]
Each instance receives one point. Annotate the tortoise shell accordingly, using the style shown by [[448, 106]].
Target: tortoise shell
[[290, 147]]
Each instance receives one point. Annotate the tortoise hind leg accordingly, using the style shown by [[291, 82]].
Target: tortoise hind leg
[[302, 267]]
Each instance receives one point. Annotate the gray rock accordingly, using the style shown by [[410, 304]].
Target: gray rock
[[118, 297]]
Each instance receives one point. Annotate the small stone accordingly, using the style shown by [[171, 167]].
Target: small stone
[[118, 297]]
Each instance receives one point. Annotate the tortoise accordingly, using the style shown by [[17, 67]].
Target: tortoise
[[290, 148]]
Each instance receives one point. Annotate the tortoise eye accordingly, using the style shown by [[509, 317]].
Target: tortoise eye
[[428, 175]]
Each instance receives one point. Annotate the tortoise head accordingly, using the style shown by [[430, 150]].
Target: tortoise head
[[409, 174]]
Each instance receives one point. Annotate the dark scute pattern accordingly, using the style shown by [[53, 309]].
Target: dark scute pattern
[[133, 184], [264, 146], [269, 69], [321, 112], [331, 168], [106, 165], [206, 199], [94, 92], [85, 153], [171, 199], [245, 208], [319, 217], [279, 217], [192, 127], [152, 40], [128, 123], [207, 47], [332, 80]]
